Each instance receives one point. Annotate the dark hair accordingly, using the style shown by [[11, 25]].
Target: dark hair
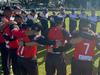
[[87, 34], [85, 23], [8, 8], [16, 7], [58, 20], [33, 11], [18, 16], [75, 34]]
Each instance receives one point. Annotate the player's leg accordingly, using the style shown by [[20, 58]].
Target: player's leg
[[49, 64], [13, 57], [31, 66], [60, 65], [75, 67], [5, 59], [88, 68]]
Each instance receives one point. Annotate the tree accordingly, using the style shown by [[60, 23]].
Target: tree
[[27, 3]]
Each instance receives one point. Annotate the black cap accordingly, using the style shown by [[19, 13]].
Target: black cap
[[8, 8], [18, 16]]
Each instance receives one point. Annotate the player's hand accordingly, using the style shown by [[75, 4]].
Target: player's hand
[[21, 43]]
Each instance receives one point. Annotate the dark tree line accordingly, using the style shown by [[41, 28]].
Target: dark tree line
[[68, 3], [28, 3]]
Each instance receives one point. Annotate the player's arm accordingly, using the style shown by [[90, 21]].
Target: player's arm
[[39, 40], [16, 32]]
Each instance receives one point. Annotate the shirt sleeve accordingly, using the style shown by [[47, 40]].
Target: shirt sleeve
[[18, 33], [42, 40]]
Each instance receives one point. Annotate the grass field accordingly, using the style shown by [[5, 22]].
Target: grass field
[[41, 54]]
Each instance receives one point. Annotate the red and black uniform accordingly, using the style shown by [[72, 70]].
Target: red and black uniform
[[4, 55], [25, 54], [4, 50], [27, 51], [55, 59], [11, 43], [27, 58], [83, 57]]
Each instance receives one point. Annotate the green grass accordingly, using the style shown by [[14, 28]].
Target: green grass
[[41, 54]]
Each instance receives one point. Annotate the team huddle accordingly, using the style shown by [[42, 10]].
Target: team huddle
[[22, 33]]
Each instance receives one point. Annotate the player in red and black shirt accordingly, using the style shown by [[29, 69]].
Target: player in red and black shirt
[[84, 44], [27, 51], [11, 34], [54, 53], [4, 50]]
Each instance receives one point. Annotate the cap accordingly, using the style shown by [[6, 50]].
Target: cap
[[8, 8]]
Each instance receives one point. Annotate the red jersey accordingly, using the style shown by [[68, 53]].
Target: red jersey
[[6, 21], [55, 34], [11, 44], [2, 40], [27, 51], [84, 48], [17, 33]]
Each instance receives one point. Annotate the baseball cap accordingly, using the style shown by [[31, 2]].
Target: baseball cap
[[8, 8]]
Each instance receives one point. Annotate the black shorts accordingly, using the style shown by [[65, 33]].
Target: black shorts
[[55, 62], [27, 66], [79, 67]]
